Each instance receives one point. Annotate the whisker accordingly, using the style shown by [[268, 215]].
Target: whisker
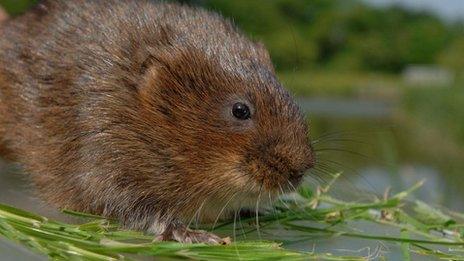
[[241, 225], [356, 132], [222, 210], [285, 203], [235, 234], [351, 170], [333, 140], [197, 213], [326, 168], [349, 186], [274, 210], [296, 203], [318, 152], [257, 210], [270, 201], [316, 175]]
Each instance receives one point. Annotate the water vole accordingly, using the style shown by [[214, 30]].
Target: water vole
[[151, 113]]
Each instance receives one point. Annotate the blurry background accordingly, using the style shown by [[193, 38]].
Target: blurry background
[[381, 82]]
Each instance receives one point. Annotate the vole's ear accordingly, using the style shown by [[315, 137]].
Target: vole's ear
[[145, 59], [166, 75], [142, 64], [159, 71], [149, 66], [149, 61], [143, 52]]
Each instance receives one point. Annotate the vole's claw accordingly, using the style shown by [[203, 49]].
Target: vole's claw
[[197, 236], [185, 235]]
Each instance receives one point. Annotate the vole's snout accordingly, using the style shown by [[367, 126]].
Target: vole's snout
[[281, 166], [311, 158], [307, 163]]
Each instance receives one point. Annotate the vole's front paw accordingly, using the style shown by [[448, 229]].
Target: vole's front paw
[[198, 236], [182, 234]]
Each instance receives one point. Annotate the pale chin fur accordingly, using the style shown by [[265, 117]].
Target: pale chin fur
[[219, 211], [244, 193]]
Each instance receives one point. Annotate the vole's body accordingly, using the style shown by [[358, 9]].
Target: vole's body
[[122, 108]]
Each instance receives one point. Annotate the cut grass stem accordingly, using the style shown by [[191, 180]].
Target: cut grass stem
[[425, 231]]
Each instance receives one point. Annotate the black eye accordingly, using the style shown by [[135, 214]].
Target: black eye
[[241, 111]]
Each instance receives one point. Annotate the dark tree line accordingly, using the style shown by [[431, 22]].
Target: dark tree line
[[337, 34]]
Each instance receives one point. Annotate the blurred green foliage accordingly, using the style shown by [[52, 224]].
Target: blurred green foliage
[[453, 56], [343, 34], [15, 7], [336, 34]]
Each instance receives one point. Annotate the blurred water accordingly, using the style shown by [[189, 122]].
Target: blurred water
[[15, 191], [13, 252], [375, 151], [343, 108]]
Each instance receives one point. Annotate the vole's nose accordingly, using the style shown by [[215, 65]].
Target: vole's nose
[[311, 159], [308, 156], [308, 162]]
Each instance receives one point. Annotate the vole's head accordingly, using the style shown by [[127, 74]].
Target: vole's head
[[228, 132], [224, 128]]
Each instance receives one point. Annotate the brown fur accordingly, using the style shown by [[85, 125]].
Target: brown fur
[[122, 108]]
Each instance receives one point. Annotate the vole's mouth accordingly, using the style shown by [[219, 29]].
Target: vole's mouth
[[275, 171], [295, 180], [279, 182]]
